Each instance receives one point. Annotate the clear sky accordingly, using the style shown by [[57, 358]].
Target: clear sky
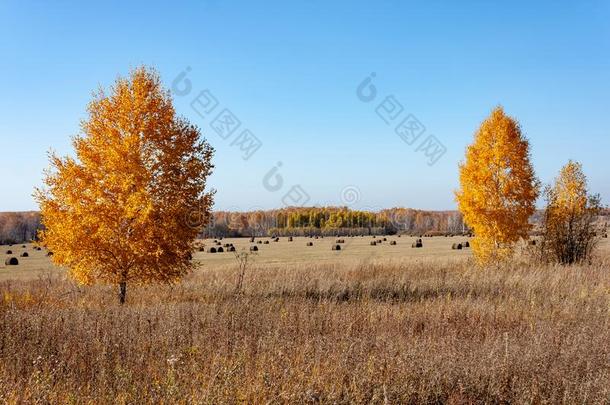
[[289, 72]]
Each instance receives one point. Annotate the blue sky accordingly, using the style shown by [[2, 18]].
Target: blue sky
[[289, 72]]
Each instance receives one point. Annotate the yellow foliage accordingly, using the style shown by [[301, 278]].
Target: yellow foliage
[[498, 187], [569, 193], [569, 231], [117, 211]]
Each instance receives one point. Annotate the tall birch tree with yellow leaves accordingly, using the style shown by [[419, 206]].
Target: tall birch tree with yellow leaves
[[498, 187], [117, 212]]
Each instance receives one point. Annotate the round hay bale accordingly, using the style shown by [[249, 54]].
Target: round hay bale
[[393, 243], [456, 246], [309, 243], [276, 239], [49, 254], [11, 261], [373, 243], [385, 239], [290, 239], [340, 241], [266, 242], [231, 249], [466, 244], [201, 249], [9, 252], [316, 237], [532, 242], [218, 244], [23, 246], [417, 244], [212, 250], [336, 247], [25, 254], [220, 250], [259, 242], [254, 248], [227, 245], [252, 239]]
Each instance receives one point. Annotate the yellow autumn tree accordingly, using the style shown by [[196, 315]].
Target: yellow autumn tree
[[120, 211], [569, 220], [498, 187]]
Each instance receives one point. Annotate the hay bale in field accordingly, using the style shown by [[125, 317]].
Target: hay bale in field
[[49, 254], [25, 254], [340, 241], [254, 248], [211, 250], [252, 239], [259, 242], [266, 242], [23, 246], [9, 252], [605, 235], [532, 242], [290, 239], [466, 244], [456, 246], [393, 242], [385, 239], [373, 243], [227, 245], [417, 244], [218, 244], [309, 243], [11, 261], [276, 239], [336, 247], [316, 237], [231, 249], [220, 250], [201, 249]]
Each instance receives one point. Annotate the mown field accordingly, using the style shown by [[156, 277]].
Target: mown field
[[367, 324], [354, 249]]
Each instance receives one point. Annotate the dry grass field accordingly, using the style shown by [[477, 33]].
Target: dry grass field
[[367, 324]]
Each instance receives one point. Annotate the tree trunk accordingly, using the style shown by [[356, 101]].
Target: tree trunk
[[122, 291]]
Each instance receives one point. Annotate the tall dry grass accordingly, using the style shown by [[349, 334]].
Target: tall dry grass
[[375, 332]]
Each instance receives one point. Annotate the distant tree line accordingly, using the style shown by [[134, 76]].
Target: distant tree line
[[18, 227], [332, 221]]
